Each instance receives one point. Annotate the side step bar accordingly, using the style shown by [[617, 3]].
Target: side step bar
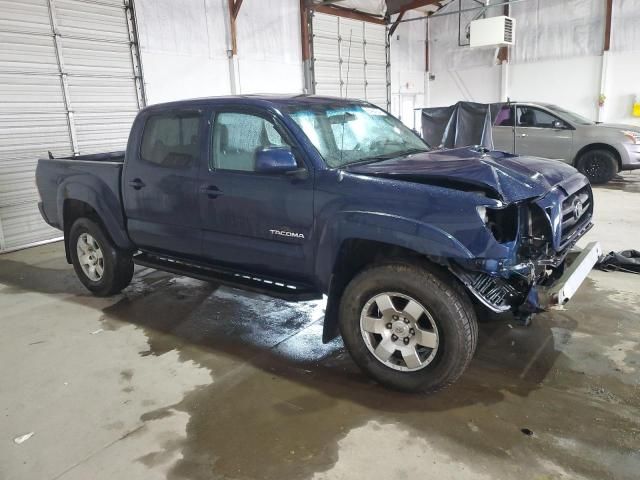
[[292, 292]]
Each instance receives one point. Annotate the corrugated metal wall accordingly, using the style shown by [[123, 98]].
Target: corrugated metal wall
[[70, 82], [350, 59]]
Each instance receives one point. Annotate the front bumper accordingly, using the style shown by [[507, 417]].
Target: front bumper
[[631, 157], [501, 295], [565, 287]]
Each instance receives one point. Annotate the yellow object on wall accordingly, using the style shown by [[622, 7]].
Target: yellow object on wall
[[636, 107]]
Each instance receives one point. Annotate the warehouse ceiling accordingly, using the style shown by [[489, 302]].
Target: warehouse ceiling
[[384, 7]]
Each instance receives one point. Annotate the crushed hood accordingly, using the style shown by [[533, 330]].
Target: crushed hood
[[511, 178]]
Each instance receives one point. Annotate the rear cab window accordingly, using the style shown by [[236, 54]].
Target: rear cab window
[[172, 139]]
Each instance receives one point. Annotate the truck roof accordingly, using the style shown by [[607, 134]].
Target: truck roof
[[271, 100]]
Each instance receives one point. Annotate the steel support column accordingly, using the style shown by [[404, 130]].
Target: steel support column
[[232, 52], [73, 135], [136, 61], [604, 61], [305, 40]]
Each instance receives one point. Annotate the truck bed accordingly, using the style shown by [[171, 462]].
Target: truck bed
[[96, 175], [117, 157]]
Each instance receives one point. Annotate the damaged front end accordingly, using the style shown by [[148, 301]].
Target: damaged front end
[[539, 273]]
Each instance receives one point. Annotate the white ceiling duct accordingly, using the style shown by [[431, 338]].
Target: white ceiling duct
[[374, 7]]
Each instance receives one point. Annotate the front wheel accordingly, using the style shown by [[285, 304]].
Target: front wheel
[[102, 267], [599, 166], [411, 328]]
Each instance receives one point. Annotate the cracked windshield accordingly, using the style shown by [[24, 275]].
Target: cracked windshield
[[349, 134]]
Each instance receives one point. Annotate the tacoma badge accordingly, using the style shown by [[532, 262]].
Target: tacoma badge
[[286, 233]]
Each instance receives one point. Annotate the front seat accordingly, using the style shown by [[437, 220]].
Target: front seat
[[528, 119]]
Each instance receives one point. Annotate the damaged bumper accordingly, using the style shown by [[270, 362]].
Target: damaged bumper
[[561, 291], [527, 296]]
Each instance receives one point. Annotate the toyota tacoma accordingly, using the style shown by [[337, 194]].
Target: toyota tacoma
[[302, 196]]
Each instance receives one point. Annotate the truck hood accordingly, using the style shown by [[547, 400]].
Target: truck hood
[[507, 177]]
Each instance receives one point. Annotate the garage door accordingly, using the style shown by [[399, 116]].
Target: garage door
[[351, 59], [69, 83]]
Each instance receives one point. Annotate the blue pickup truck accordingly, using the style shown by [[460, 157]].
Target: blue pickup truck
[[303, 196]]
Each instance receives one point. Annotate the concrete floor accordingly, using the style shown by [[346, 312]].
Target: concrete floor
[[181, 379]]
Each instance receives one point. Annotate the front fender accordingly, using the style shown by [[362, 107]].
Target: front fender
[[391, 229]]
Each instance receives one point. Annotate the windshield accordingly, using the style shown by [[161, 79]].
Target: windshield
[[571, 116], [346, 134]]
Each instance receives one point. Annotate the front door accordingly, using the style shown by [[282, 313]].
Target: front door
[[160, 183], [541, 134], [260, 223]]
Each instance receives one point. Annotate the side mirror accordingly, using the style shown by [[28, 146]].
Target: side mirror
[[275, 160], [557, 124]]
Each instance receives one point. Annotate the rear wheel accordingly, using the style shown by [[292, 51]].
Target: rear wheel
[[102, 267], [411, 328], [599, 165]]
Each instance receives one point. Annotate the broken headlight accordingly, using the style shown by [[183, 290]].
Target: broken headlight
[[502, 221]]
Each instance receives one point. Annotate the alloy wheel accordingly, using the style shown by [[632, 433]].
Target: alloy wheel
[[399, 331], [90, 257]]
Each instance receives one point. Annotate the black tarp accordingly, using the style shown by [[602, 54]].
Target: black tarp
[[624, 261], [460, 125]]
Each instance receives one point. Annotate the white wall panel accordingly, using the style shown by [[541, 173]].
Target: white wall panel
[[95, 56], [572, 83], [183, 44], [623, 86], [269, 53], [408, 68], [20, 53], [25, 16], [557, 58], [96, 20]]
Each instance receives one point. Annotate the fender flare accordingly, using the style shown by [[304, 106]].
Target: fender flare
[[393, 230], [102, 200], [423, 238]]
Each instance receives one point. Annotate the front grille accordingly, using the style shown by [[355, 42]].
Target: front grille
[[577, 209]]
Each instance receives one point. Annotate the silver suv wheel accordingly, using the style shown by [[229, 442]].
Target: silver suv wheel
[[399, 331], [90, 257]]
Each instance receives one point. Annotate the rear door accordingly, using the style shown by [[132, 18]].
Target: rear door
[[254, 221], [539, 133], [503, 129], [160, 183]]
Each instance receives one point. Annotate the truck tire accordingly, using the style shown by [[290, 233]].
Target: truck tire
[[101, 266], [412, 328], [598, 165]]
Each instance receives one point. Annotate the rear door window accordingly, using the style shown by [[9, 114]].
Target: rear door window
[[172, 140], [504, 118]]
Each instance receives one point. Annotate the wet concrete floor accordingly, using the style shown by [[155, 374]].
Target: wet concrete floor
[[181, 379]]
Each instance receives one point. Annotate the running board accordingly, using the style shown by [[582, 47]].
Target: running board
[[286, 290]]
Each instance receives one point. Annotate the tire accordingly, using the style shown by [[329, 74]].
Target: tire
[[448, 320], [112, 267], [599, 165]]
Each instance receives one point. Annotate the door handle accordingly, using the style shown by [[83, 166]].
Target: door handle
[[136, 183], [211, 191]]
